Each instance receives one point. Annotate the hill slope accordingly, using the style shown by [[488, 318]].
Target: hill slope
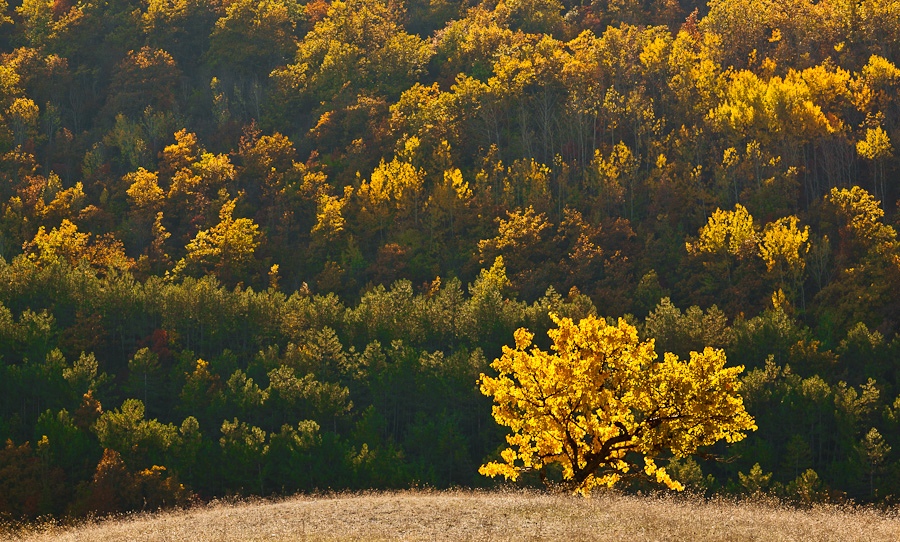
[[487, 516]]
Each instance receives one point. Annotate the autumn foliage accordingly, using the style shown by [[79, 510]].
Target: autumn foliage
[[258, 247], [604, 407]]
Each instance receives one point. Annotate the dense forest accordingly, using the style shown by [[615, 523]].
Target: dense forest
[[259, 247]]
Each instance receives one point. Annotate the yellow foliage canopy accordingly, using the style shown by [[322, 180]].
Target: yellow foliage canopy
[[602, 400], [144, 191], [227, 248], [727, 231], [66, 244], [783, 244], [876, 145]]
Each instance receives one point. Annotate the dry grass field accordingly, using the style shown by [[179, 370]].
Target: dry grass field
[[468, 515]]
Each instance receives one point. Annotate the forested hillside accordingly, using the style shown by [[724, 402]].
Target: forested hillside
[[261, 246]]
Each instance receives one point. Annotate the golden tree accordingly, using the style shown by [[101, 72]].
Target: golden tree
[[227, 249], [876, 148], [783, 247], [602, 401], [66, 244], [731, 232]]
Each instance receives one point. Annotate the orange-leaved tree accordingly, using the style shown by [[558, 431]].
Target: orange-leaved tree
[[602, 401]]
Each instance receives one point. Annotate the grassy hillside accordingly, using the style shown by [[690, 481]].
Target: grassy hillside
[[464, 515]]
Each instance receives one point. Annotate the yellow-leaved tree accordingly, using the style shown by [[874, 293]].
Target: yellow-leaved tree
[[603, 406], [783, 247], [227, 249]]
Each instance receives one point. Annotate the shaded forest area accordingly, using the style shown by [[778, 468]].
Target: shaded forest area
[[256, 247]]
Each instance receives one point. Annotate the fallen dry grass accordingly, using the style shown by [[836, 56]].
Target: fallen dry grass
[[474, 515]]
